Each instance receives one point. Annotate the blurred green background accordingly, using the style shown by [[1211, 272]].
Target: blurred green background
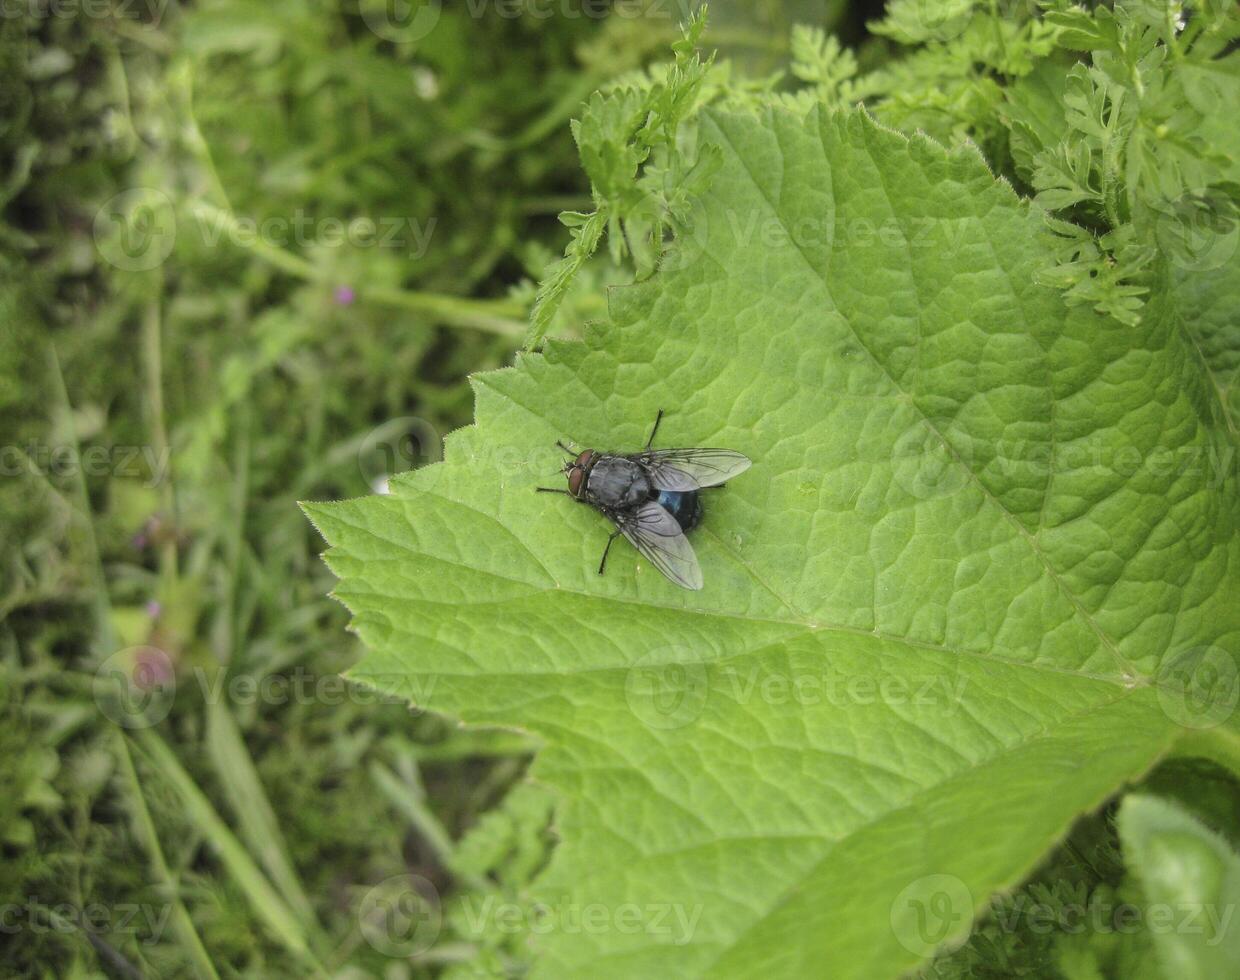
[[250, 251]]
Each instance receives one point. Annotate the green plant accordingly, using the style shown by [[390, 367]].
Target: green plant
[[250, 251], [984, 462], [206, 315]]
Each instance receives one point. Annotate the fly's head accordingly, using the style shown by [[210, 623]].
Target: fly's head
[[577, 470]]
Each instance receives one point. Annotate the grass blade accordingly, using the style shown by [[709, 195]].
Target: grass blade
[[266, 901], [195, 952], [240, 781]]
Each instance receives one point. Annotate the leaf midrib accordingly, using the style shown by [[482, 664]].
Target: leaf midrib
[[799, 630]]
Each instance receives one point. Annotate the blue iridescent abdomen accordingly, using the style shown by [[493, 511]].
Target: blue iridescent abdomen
[[683, 505]]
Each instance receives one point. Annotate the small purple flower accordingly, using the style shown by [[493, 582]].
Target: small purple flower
[[345, 295], [153, 608]]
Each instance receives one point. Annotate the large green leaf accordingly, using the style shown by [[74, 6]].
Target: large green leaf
[[978, 576]]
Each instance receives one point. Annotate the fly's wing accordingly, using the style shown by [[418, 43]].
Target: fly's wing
[[692, 469], [654, 532]]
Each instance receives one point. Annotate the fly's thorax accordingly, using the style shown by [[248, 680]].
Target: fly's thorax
[[618, 483]]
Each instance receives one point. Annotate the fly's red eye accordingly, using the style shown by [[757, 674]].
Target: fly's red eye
[[577, 472]]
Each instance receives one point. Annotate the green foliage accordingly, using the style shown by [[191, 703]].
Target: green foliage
[[344, 217], [1192, 873], [1127, 143], [250, 251], [858, 313], [628, 131], [819, 60], [916, 22]]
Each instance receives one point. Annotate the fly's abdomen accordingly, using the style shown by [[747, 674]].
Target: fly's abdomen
[[684, 505]]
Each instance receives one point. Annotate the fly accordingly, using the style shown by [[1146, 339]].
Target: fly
[[651, 497]]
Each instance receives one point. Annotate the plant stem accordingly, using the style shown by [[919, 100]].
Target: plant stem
[[152, 357], [498, 316]]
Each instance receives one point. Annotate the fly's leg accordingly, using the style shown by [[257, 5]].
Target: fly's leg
[[551, 490], [657, 419], [603, 564], [571, 452]]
